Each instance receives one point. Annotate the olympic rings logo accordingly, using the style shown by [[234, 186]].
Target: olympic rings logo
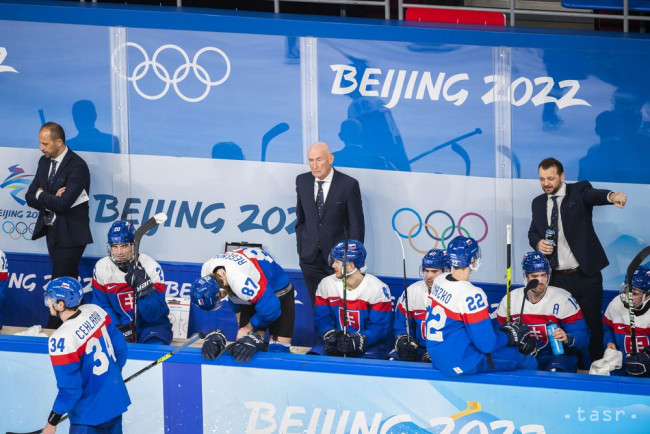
[[179, 74], [19, 229], [446, 234]]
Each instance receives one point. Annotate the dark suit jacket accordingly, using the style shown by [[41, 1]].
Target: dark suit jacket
[[343, 210], [71, 227], [578, 228]]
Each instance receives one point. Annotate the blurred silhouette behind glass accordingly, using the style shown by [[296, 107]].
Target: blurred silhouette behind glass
[[89, 138]]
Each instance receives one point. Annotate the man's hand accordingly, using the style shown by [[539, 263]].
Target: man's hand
[[244, 331], [49, 429], [246, 347], [619, 199], [351, 343], [60, 192], [329, 341], [515, 331], [213, 344], [545, 246], [638, 365], [138, 279], [406, 348]]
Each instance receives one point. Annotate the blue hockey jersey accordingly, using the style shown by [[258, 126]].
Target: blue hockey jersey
[[111, 293], [616, 324], [369, 310], [558, 307], [254, 278], [459, 329], [87, 354], [418, 294]]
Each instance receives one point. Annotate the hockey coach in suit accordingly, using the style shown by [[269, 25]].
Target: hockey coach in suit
[[329, 208], [575, 253], [59, 192]]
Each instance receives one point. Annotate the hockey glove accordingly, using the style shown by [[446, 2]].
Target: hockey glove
[[426, 358], [515, 332], [329, 341], [407, 349], [528, 344], [351, 343], [127, 331], [136, 277], [638, 365], [213, 343], [246, 347]]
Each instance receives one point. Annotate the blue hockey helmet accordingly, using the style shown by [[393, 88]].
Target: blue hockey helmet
[[535, 262], [206, 294], [120, 232], [356, 253], [462, 251], [435, 258], [641, 278], [67, 289], [640, 290]]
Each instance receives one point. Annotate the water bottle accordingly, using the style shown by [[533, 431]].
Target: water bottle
[[550, 234], [556, 345]]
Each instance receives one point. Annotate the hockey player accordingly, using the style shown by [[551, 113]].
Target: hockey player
[[258, 291], [87, 354], [434, 263], [4, 279], [122, 286], [369, 309], [549, 305], [460, 336], [617, 324]]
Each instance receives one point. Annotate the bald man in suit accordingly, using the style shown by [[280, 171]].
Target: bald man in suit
[[329, 209]]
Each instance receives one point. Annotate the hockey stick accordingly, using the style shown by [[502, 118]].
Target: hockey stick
[[406, 294], [532, 284], [638, 259], [450, 142], [271, 134], [137, 238], [508, 269], [344, 267], [189, 342]]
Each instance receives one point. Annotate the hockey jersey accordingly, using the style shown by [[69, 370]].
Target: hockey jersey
[[87, 354], [369, 310], [418, 295], [459, 331], [254, 278], [557, 307], [4, 279], [616, 324], [111, 293]]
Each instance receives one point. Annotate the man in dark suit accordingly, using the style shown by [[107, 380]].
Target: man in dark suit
[[575, 253], [59, 192], [329, 209]]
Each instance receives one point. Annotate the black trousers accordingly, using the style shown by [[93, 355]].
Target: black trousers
[[65, 262], [313, 273], [588, 292]]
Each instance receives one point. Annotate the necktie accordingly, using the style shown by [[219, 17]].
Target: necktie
[[555, 224], [50, 179], [320, 201]]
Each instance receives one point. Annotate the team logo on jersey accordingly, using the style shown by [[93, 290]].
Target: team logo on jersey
[[126, 300], [538, 331], [353, 320], [641, 343], [16, 182]]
